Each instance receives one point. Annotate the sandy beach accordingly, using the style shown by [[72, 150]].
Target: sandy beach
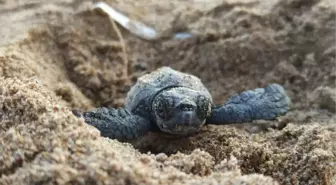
[[56, 56]]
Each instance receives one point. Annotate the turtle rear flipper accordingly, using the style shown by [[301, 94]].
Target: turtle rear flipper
[[259, 104], [118, 123]]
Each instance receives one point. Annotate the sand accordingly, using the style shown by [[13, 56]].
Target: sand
[[56, 56]]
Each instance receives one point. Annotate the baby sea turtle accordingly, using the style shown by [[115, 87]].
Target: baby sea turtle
[[177, 103]]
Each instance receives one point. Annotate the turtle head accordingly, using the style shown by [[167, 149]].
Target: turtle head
[[181, 110]]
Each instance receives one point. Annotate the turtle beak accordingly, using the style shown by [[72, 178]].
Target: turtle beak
[[188, 117]]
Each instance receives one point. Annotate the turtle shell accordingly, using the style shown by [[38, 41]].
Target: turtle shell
[[149, 85]]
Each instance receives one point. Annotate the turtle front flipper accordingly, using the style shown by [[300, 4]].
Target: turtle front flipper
[[117, 124], [259, 104]]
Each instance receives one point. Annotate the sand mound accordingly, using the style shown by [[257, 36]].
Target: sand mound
[[72, 58], [42, 142]]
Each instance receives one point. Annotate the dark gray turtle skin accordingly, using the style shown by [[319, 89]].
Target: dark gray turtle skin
[[178, 103]]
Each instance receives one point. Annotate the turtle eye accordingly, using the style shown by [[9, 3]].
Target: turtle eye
[[203, 107], [163, 106]]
